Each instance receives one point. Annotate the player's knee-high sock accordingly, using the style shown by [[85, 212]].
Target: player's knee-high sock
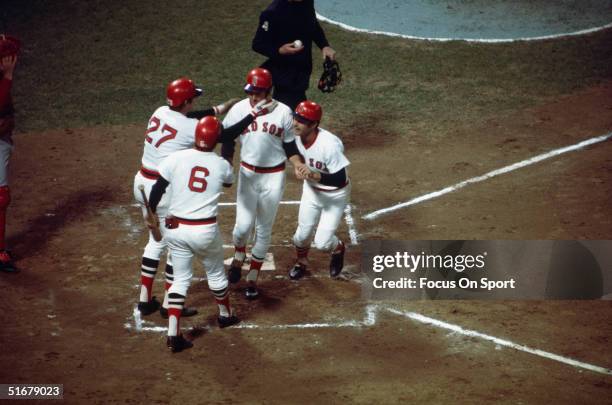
[[240, 253], [253, 273], [223, 301], [302, 254], [169, 280], [175, 308], [339, 247], [147, 276]]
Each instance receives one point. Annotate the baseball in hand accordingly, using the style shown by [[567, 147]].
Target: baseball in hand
[[297, 43]]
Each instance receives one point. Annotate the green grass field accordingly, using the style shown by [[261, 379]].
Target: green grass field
[[107, 62]]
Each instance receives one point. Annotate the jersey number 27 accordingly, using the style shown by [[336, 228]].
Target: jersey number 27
[[167, 132]]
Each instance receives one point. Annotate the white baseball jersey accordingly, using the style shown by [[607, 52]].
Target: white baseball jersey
[[324, 155], [262, 141], [168, 131], [197, 180]]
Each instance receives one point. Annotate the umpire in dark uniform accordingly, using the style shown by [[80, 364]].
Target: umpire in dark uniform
[[280, 25]]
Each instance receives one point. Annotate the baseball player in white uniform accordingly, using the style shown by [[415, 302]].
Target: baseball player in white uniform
[[197, 177], [172, 128], [265, 146], [326, 190]]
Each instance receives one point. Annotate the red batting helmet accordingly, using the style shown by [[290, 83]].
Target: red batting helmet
[[308, 111], [207, 133], [258, 80], [180, 91]]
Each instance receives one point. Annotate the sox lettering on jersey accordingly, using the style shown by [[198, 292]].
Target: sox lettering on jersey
[[266, 127], [320, 166]]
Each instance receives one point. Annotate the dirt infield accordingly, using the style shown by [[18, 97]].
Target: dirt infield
[[78, 239]]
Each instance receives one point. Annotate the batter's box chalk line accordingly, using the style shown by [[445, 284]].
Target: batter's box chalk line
[[370, 319], [489, 175]]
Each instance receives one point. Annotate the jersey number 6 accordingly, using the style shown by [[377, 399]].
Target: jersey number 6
[[197, 183]]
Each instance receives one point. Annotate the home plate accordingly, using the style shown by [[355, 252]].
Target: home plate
[[268, 264]]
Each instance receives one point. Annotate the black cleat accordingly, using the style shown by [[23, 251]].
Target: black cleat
[[147, 308], [178, 343], [337, 262], [6, 262], [8, 268], [251, 293], [225, 321], [297, 271], [185, 313], [234, 272]]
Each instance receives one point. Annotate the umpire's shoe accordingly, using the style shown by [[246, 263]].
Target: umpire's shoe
[[147, 308], [178, 343], [185, 313], [337, 260], [234, 272], [225, 321], [297, 271], [251, 293]]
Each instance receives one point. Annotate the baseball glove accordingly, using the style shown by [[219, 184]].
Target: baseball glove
[[331, 77], [9, 46]]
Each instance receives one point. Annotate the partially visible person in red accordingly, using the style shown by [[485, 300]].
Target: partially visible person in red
[[8, 60]]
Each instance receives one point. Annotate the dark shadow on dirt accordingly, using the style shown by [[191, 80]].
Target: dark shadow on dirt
[[368, 132], [43, 227]]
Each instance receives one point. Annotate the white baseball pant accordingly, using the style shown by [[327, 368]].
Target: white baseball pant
[[187, 241], [258, 197], [324, 208]]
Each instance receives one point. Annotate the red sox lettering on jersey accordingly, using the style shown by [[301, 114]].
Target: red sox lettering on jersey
[[261, 142]]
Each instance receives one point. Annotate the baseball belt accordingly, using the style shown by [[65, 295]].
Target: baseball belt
[[173, 222]]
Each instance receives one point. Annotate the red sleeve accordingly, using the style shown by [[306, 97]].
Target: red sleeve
[[5, 93]]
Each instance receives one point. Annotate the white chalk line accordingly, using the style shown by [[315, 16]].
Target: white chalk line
[[370, 319], [483, 40], [502, 342], [350, 222], [491, 174]]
